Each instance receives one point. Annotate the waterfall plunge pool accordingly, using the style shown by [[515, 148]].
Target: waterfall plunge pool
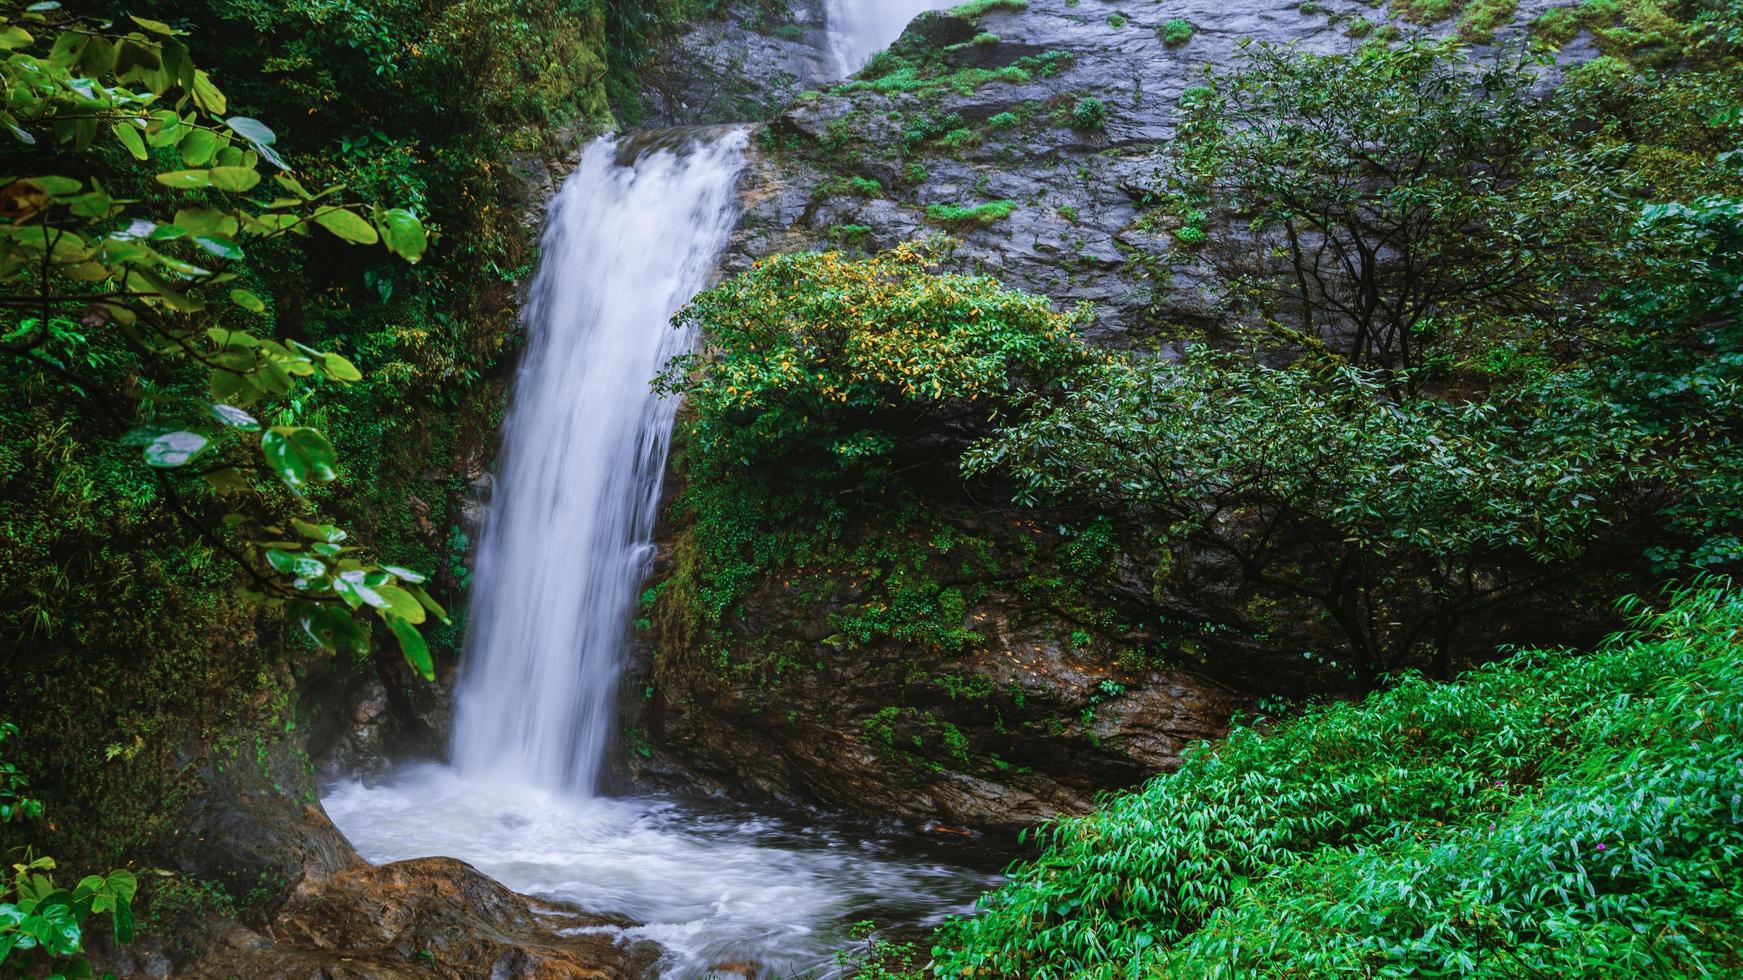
[[713, 884]]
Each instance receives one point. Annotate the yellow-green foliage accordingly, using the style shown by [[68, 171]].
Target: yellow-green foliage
[[1643, 31], [825, 383]]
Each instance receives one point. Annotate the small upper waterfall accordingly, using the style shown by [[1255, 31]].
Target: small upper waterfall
[[584, 449], [859, 29]]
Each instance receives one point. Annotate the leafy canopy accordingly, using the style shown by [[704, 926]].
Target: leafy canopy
[[89, 273]]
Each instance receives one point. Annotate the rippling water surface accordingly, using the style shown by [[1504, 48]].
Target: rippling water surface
[[713, 886]]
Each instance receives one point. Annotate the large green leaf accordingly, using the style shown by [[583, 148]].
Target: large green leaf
[[290, 563], [132, 139], [198, 147], [330, 626], [411, 643], [247, 300], [340, 369], [347, 225], [185, 179], [403, 233], [259, 136], [299, 455], [234, 178]]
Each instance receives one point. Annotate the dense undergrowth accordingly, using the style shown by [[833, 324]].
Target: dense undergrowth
[[1555, 814], [133, 656]]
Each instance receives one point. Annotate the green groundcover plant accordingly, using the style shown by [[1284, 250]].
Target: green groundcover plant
[[1555, 814]]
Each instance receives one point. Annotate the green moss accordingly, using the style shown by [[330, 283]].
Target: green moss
[[975, 9], [979, 214]]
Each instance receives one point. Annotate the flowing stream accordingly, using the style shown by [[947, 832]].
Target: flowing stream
[[635, 232]]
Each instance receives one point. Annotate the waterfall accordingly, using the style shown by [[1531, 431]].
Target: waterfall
[[634, 233], [859, 29], [565, 546]]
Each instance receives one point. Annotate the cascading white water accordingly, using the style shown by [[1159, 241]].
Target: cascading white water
[[564, 550], [859, 29], [584, 448]]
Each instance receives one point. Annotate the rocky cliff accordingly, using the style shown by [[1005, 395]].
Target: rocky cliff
[[1032, 133]]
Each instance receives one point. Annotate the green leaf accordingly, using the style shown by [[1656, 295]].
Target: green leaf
[[234, 417], [122, 917], [145, 435], [404, 574], [390, 599], [319, 532], [124, 884], [154, 26], [206, 221], [403, 233], [252, 130], [302, 566], [259, 136], [340, 369], [411, 643], [331, 627], [132, 139], [432, 605], [236, 179], [299, 455], [185, 179], [247, 300], [207, 96], [198, 147], [223, 248], [13, 37], [173, 449], [347, 225]]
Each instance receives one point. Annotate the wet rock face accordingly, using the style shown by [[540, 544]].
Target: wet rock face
[[1080, 185], [1040, 714], [1024, 727], [744, 66]]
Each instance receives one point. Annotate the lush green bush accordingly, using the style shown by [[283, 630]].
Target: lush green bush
[[1552, 815], [1179, 31], [42, 924], [1380, 515], [1089, 113], [1491, 351], [125, 614], [978, 214], [825, 383]]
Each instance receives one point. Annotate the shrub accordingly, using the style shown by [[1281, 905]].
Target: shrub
[[824, 378], [979, 214], [1179, 31], [1089, 113]]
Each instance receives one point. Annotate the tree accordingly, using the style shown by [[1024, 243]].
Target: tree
[[1394, 198], [1396, 523], [1509, 361], [130, 302]]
